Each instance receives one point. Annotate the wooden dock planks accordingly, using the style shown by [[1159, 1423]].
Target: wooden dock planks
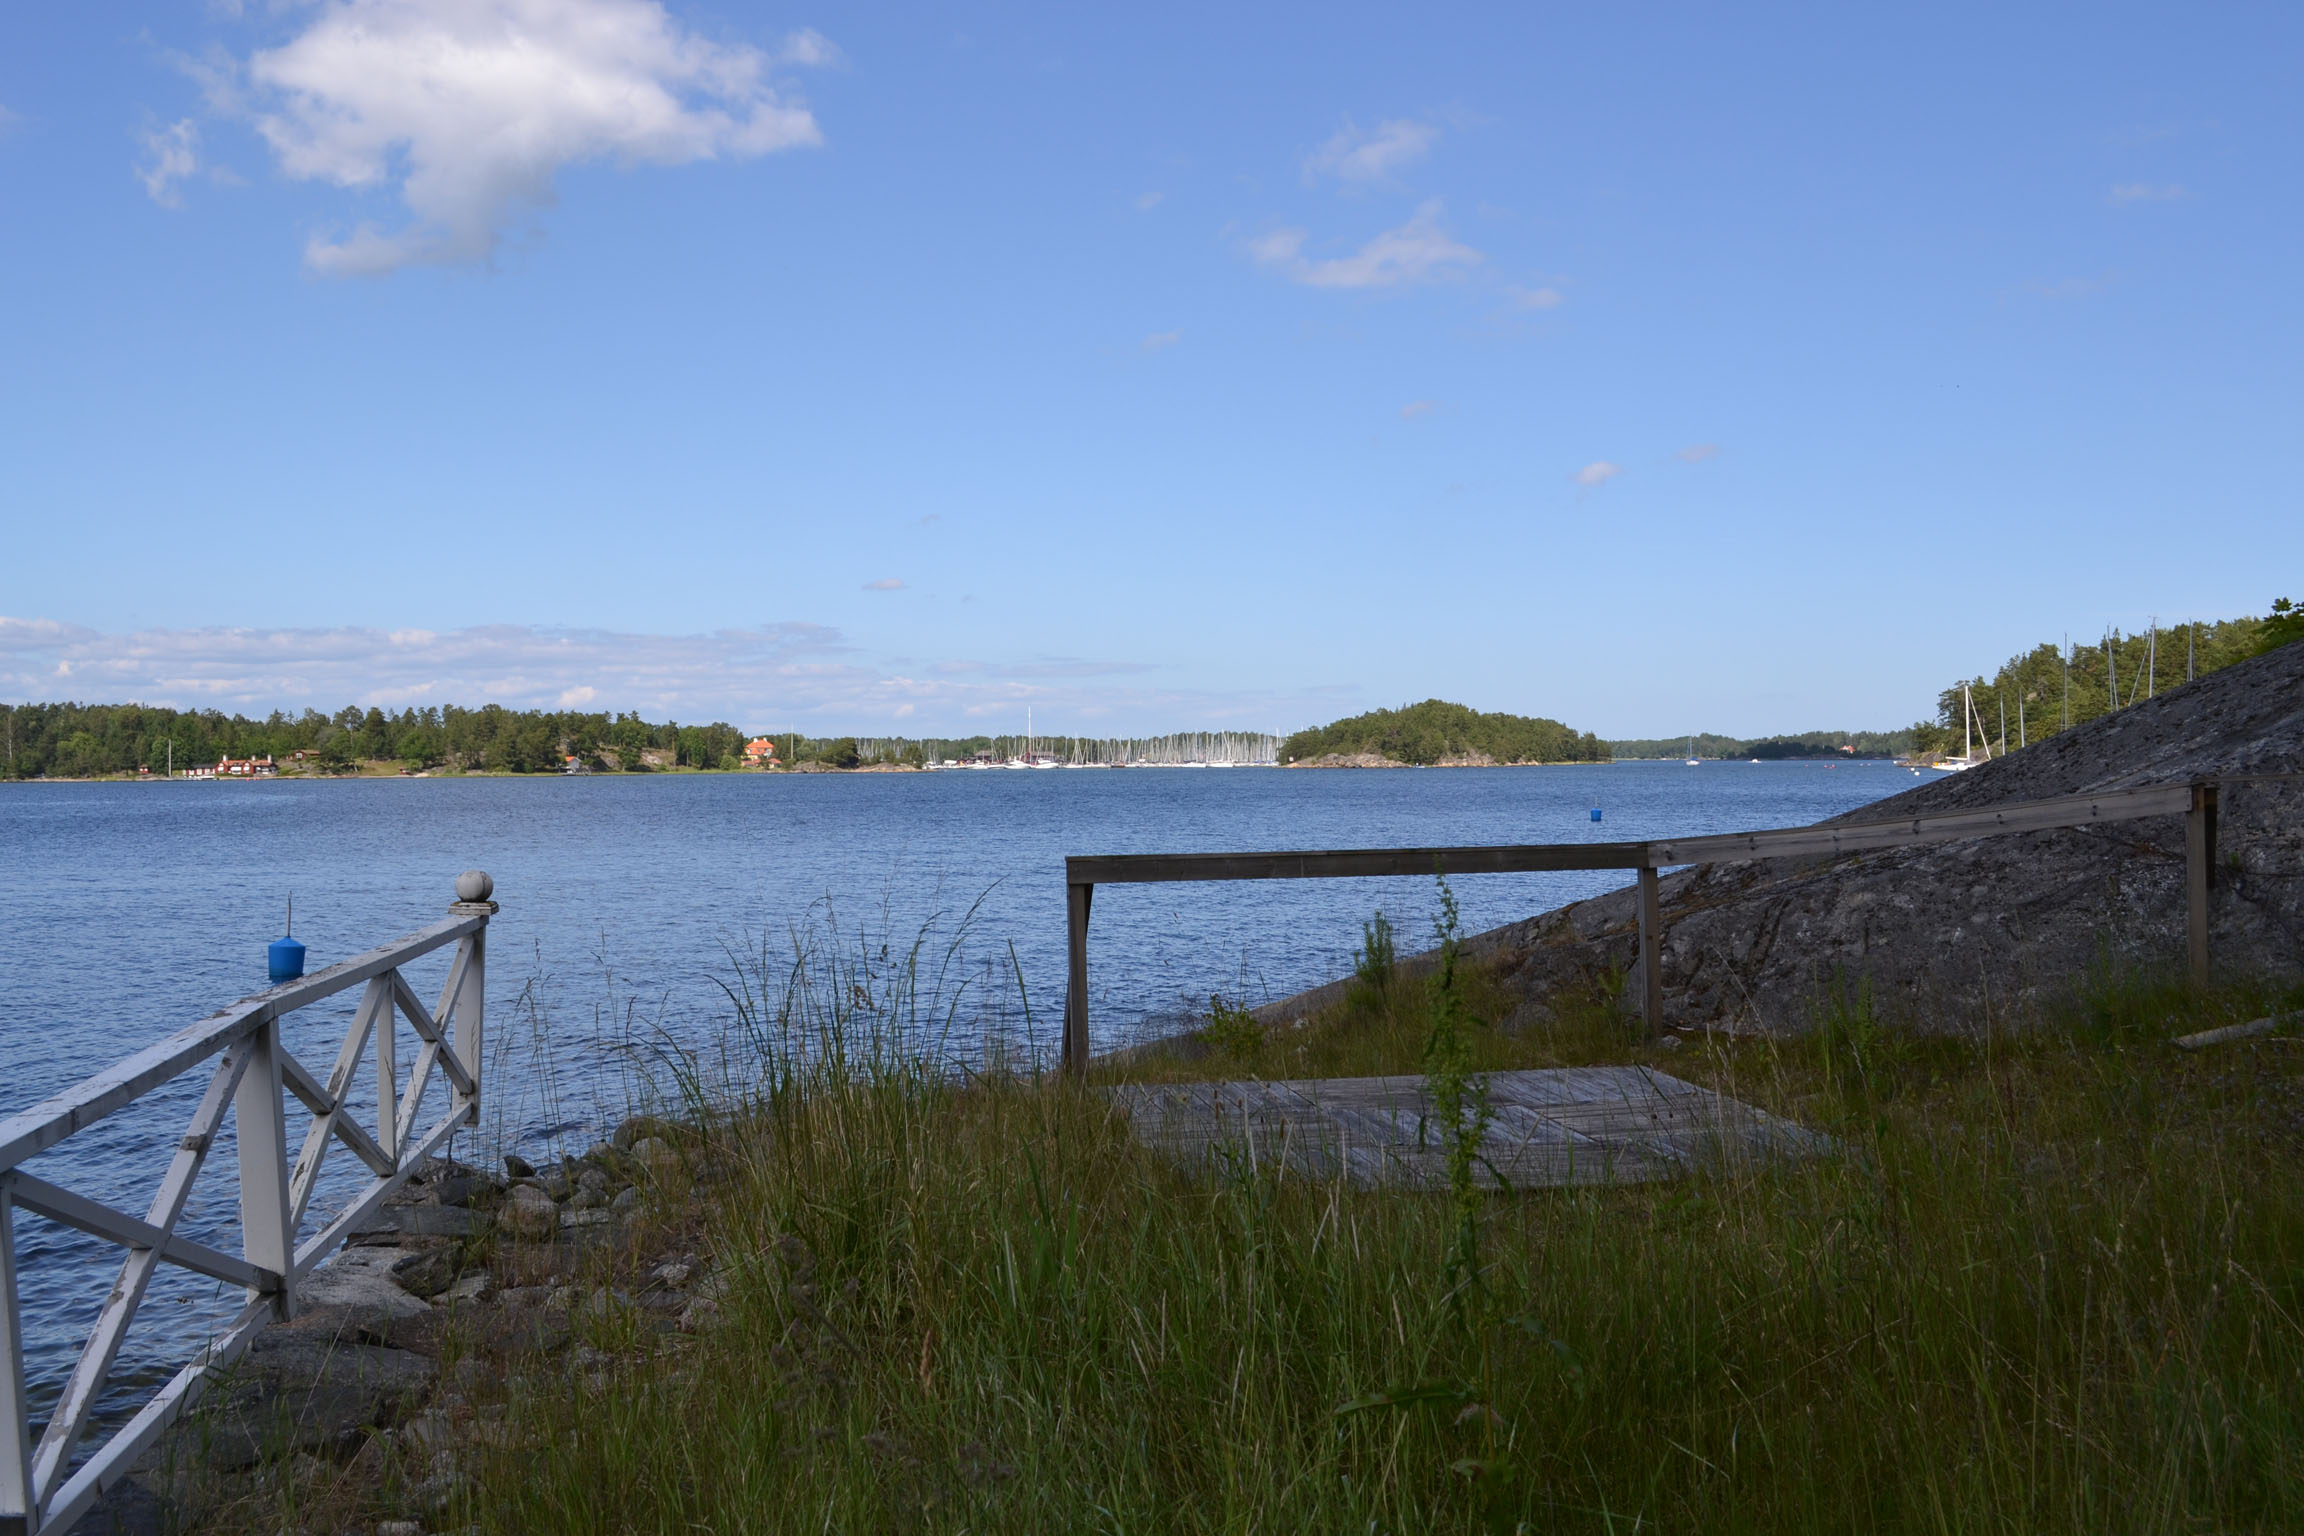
[[1576, 1125]]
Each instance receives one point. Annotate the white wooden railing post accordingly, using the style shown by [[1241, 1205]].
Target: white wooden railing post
[[15, 1413], [266, 1236], [473, 888]]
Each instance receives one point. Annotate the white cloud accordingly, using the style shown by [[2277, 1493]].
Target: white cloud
[[1147, 201], [1533, 298], [1414, 409], [1697, 453], [811, 49], [473, 106], [742, 675], [170, 154], [1597, 473], [8, 120], [1357, 158], [884, 584], [1418, 251], [2146, 192], [1160, 341]]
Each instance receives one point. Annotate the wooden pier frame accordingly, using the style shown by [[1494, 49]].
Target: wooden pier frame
[[2196, 802], [40, 1487]]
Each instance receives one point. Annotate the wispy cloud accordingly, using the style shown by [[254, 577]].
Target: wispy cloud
[[1417, 251], [1697, 453], [1533, 298], [810, 49], [884, 584], [170, 155], [2145, 192], [1160, 341], [8, 120], [1363, 159], [1597, 473], [1415, 409], [787, 671], [472, 107], [1147, 201]]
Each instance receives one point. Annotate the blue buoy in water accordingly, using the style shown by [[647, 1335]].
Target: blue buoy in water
[[286, 957], [1595, 813]]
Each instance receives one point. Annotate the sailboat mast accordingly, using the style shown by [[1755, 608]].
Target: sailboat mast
[[1967, 718]]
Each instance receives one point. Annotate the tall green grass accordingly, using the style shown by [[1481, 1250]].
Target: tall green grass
[[2053, 1281]]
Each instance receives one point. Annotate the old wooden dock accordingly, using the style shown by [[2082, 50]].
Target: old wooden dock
[[1576, 1125]]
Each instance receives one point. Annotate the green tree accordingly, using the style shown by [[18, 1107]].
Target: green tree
[[2284, 624]]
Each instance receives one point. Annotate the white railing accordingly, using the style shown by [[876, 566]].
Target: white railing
[[40, 1487]]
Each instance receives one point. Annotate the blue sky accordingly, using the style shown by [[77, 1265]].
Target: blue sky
[[1657, 368]]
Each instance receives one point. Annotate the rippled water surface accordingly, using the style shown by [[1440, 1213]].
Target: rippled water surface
[[130, 910]]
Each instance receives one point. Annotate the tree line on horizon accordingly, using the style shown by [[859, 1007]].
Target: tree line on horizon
[[89, 740], [2044, 690], [68, 740]]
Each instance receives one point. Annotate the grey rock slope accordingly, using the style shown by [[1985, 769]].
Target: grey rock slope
[[1956, 935]]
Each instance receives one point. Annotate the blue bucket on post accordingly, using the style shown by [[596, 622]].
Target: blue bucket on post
[[286, 959], [1595, 813]]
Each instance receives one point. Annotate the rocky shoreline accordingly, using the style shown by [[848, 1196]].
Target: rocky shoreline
[[399, 1366]]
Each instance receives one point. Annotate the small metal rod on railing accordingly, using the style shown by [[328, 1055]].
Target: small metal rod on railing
[[39, 1488], [1083, 873]]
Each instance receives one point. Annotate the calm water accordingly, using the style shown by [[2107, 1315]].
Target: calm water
[[131, 909]]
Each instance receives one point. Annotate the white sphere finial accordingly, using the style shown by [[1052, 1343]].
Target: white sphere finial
[[474, 885]]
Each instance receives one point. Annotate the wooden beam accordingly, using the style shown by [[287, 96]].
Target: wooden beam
[[468, 1048], [431, 1033], [1327, 864], [414, 1150], [228, 1087], [1788, 842], [110, 1463], [267, 1240], [1078, 897], [16, 1498], [97, 1220], [1651, 952]]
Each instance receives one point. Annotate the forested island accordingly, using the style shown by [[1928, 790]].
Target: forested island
[[1437, 733]]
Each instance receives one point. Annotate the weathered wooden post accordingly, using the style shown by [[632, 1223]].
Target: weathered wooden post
[[15, 1414], [473, 889], [2199, 872], [1077, 898], [1651, 950], [267, 1233]]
